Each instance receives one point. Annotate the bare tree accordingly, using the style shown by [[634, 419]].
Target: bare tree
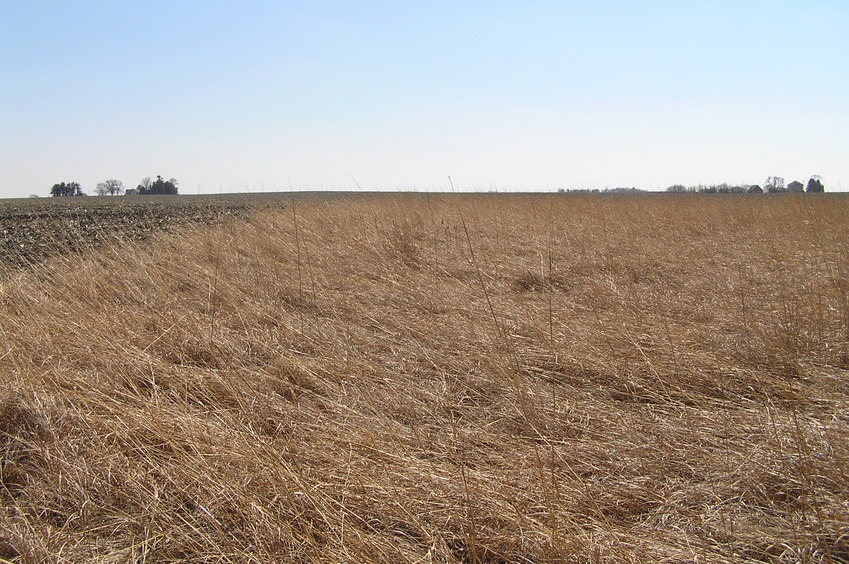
[[110, 187], [774, 184]]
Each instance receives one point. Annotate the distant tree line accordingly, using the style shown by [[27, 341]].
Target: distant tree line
[[156, 187], [114, 187], [620, 190], [772, 185]]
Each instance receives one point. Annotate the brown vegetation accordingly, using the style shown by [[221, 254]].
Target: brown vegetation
[[438, 379]]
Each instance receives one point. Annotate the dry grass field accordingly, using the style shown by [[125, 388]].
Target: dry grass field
[[453, 378]]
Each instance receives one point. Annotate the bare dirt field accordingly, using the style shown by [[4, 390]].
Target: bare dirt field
[[33, 229], [425, 378]]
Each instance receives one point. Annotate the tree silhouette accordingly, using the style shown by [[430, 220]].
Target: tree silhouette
[[158, 186], [815, 185], [66, 189], [110, 187], [774, 184]]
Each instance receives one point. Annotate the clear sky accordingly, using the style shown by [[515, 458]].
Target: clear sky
[[508, 95]]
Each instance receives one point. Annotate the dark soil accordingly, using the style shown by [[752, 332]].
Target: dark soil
[[32, 230]]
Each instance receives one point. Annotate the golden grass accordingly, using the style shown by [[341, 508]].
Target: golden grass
[[418, 378]]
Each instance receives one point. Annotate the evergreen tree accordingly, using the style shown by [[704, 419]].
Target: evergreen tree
[[66, 189], [815, 185], [158, 186]]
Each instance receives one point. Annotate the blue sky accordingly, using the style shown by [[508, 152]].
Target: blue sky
[[532, 95]]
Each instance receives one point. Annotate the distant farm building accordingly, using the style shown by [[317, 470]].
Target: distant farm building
[[796, 187]]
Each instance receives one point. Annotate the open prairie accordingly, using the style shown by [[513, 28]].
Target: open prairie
[[433, 378]]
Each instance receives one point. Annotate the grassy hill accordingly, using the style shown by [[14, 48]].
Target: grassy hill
[[414, 378]]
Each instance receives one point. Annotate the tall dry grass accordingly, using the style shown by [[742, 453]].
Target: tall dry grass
[[438, 379]]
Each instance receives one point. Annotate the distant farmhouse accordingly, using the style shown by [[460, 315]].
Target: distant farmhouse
[[796, 187]]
